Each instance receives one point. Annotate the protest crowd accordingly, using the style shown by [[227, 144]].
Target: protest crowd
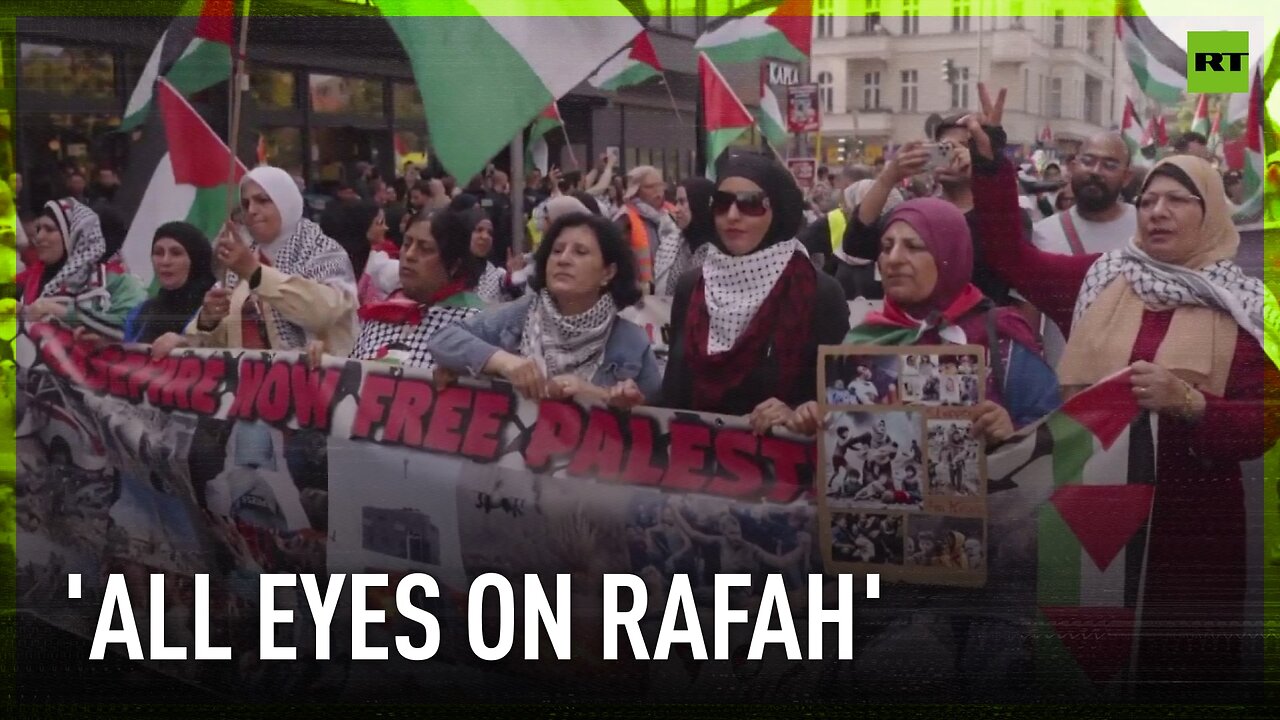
[[1066, 271]]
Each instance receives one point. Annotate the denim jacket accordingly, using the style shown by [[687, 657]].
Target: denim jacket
[[467, 346]]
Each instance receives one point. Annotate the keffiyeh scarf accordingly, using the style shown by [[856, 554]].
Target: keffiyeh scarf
[[737, 285], [310, 254], [567, 345], [84, 244]]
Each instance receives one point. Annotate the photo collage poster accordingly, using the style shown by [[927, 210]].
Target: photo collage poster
[[902, 480]]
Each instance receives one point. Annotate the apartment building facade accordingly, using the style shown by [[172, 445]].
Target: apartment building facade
[[880, 67]]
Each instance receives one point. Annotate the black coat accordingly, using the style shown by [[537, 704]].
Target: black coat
[[830, 324]]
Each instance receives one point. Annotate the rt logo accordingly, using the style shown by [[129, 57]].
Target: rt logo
[[1218, 62]]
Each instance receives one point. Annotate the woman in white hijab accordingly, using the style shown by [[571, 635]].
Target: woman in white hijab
[[286, 284]]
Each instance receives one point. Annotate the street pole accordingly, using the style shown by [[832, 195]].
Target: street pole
[[517, 193], [979, 69]]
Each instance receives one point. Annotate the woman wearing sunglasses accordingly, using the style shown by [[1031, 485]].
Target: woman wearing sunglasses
[[1175, 310], [746, 326]]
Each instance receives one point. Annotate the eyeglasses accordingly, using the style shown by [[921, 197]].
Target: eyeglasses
[[1176, 201], [1108, 164], [751, 204]]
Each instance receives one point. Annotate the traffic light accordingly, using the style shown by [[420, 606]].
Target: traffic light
[[948, 71]]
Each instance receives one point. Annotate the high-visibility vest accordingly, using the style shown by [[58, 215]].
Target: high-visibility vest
[[640, 245], [836, 223]]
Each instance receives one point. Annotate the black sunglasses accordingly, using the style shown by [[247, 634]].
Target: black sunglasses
[[752, 203]]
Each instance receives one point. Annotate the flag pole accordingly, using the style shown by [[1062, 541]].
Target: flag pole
[[666, 84], [237, 95], [564, 130], [517, 193]]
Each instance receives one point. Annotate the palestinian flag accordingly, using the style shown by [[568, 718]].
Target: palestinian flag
[[190, 182], [783, 32], [724, 115], [1046, 135], [1200, 122], [1131, 130], [1159, 134], [486, 71], [1082, 482], [1158, 63], [1215, 134], [1251, 210], [193, 54], [632, 66], [769, 117], [547, 121]]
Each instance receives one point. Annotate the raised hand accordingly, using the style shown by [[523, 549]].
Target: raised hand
[[992, 115]]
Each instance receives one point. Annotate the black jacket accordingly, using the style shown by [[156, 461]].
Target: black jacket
[[830, 324]]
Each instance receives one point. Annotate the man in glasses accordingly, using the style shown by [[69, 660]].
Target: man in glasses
[[1099, 222]]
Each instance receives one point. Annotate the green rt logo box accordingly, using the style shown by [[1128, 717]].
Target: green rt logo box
[[1218, 62]]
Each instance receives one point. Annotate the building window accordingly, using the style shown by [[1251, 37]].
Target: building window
[[273, 89], [1096, 35], [282, 147], [1026, 89], [824, 16], [68, 71], [910, 17], [406, 101], [340, 94], [1093, 100], [871, 18], [1015, 15], [1059, 29], [960, 12], [960, 89], [910, 87], [871, 91], [1055, 97], [826, 90]]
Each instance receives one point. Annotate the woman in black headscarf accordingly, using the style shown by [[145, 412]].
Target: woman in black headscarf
[[183, 262], [697, 229], [746, 326]]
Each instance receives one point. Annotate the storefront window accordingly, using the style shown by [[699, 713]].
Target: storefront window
[[273, 89], [281, 147], [410, 147], [68, 71], [406, 102], [57, 144], [340, 94]]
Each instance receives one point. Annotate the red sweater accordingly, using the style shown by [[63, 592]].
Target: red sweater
[[1196, 569]]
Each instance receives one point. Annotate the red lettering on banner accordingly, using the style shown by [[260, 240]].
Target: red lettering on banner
[[160, 380], [555, 434], [312, 394], [640, 469], [736, 453], [251, 374], [94, 371], [372, 409], [81, 353], [274, 396], [102, 362], [789, 458], [189, 371], [141, 371], [55, 348], [412, 402], [444, 430], [490, 412], [689, 445], [202, 399], [600, 453], [118, 375]]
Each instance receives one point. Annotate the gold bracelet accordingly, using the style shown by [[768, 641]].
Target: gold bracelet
[[1188, 410]]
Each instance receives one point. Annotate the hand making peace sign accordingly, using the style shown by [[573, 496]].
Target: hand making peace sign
[[991, 116]]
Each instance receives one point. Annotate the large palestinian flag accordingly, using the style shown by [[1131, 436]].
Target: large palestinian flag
[[1158, 63], [489, 68], [546, 122], [783, 33], [1082, 482], [193, 54], [190, 181]]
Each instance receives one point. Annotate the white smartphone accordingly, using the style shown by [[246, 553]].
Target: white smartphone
[[939, 155]]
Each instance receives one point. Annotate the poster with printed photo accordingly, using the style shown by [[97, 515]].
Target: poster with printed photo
[[896, 447]]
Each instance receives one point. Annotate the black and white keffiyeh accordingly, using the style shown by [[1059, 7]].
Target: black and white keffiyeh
[[673, 260], [567, 345], [1222, 286], [407, 344], [736, 287], [83, 245], [310, 254], [489, 288]]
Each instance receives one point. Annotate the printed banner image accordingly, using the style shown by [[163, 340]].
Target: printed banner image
[[1028, 560]]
